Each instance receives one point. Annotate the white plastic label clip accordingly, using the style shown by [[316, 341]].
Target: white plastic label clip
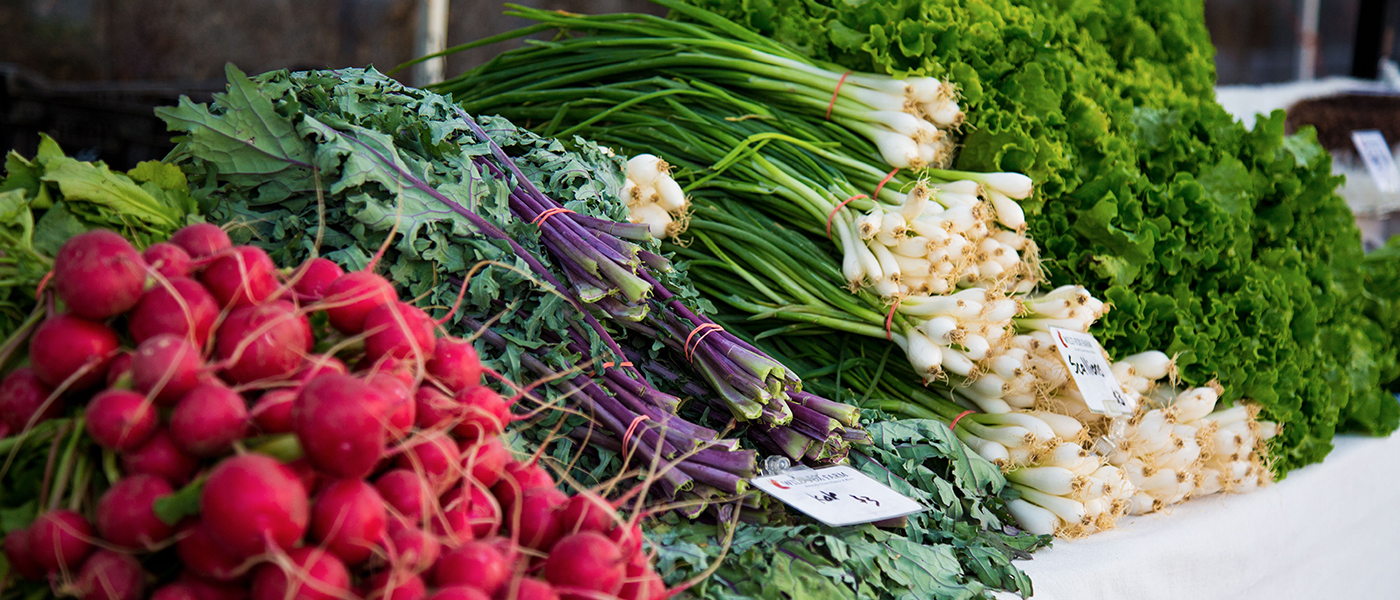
[[1092, 374], [837, 496]]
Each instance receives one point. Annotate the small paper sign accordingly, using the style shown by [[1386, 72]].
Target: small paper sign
[[1084, 359], [838, 496], [1375, 152]]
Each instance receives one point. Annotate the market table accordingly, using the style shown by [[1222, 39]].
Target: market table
[[1327, 531]]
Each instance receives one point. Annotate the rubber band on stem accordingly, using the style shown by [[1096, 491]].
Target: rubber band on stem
[[836, 92], [547, 213], [959, 418], [610, 364], [840, 206], [889, 319], [702, 331], [631, 429], [887, 179]]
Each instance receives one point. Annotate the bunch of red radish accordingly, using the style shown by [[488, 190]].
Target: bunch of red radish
[[396, 484]]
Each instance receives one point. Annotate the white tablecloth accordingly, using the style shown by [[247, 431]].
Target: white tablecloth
[[1330, 530]]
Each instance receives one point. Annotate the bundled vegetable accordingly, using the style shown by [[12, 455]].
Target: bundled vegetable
[[235, 432], [1223, 246]]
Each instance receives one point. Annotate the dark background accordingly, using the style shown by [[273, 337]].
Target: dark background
[[89, 71]]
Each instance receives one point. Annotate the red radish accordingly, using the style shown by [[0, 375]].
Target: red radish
[[313, 574], [266, 341], [184, 308], [455, 364], [21, 555], [586, 562], [65, 345], [352, 296], [241, 276], [168, 259], [60, 539], [306, 474], [484, 413], [587, 511], [208, 420], [251, 502], [126, 515], [536, 522], [201, 239], [211, 590], [395, 585], [453, 519], [317, 274], [485, 461], [348, 518], [23, 400], [399, 330], [272, 413], [641, 583], [119, 367], [401, 406], [507, 548], [98, 274], [177, 590], [628, 539], [340, 421], [404, 369], [516, 478], [404, 491], [434, 409], [474, 564], [168, 363], [528, 589], [413, 550], [110, 575], [460, 592], [204, 556], [160, 457], [483, 513], [316, 365], [436, 456], [120, 420]]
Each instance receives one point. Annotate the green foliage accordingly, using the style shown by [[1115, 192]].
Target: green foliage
[[958, 548], [1227, 246]]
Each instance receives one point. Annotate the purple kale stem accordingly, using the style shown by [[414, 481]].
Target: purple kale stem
[[848, 415], [654, 261], [488, 228], [739, 462], [665, 402], [711, 476], [816, 421], [673, 480]]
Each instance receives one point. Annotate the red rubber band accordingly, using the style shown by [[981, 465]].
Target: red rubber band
[[703, 330], [547, 213], [889, 319], [832, 104], [883, 182], [631, 429], [39, 293], [959, 418], [839, 207]]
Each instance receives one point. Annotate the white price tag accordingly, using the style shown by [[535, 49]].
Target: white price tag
[[1374, 150], [838, 496], [1084, 359]]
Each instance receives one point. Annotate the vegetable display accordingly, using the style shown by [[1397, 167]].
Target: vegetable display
[[233, 452], [1225, 247]]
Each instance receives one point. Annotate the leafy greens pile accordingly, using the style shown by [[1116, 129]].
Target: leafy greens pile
[[1225, 245]]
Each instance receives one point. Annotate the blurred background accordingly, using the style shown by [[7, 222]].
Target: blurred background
[[89, 71]]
